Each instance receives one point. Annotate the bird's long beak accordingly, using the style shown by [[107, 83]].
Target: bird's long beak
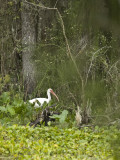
[[55, 95]]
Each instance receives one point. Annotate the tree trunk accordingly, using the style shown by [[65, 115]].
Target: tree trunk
[[28, 43]]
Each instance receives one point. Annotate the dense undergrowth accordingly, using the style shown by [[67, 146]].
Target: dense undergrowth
[[59, 141], [24, 142]]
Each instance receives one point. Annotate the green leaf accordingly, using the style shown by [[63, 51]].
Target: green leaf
[[63, 116], [10, 110], [55, 116], [3, 109], [5, 97]]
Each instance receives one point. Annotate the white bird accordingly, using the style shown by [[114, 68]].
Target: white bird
[[38, 102]]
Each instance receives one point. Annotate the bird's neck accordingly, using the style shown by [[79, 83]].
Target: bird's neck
[[49, 96]]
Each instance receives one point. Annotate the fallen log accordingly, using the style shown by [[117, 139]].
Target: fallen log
[[44, 117]]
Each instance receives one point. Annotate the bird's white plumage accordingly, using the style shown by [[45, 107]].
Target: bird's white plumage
[[38, 102]]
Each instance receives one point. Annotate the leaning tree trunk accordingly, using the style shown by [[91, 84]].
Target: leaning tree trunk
[[28, 43]]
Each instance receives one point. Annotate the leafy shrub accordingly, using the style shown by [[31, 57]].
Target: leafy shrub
[[14, 109], [116, 147], [24, 142]]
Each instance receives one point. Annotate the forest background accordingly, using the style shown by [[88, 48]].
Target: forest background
[[71, 47]]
